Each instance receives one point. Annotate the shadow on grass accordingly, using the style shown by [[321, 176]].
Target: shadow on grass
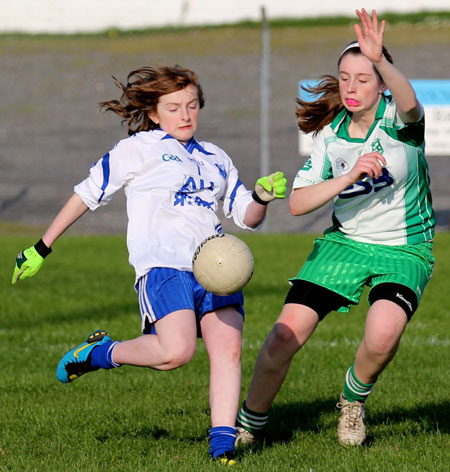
[[289, 419], [433, 417], [150, 433], [72, 316], [142, 433]]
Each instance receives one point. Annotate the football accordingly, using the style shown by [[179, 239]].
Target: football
[[223, 264]]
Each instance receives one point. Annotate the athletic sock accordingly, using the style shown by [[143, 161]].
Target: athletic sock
[[250, 420], [354, 389], [221, 440], [101, 356]]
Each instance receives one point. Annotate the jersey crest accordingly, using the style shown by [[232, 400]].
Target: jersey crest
[[376, 146]]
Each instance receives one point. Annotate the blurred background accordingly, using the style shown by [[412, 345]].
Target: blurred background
[[58, 58]]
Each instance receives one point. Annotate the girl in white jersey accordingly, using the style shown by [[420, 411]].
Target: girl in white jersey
[[368, 157], [174, 185]]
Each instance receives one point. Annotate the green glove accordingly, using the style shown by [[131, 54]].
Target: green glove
[[269, 188], [29, 261]]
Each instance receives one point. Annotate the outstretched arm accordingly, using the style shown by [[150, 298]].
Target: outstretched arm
[[30, 260], [370, 37], [70, 212]]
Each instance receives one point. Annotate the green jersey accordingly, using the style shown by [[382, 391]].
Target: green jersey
[[394, 208]]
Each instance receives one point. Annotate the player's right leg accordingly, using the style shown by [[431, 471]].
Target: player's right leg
[[172, 347], [292, 329], [171, 320], [305, 305]]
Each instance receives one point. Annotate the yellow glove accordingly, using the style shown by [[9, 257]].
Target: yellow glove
[[269, 188], [29, 261]]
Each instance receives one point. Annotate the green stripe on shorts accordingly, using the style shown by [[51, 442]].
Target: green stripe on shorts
[[344, 266]]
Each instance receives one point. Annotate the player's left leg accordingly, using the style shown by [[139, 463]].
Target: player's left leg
[[222, 334], [403, 273], [385, 324]]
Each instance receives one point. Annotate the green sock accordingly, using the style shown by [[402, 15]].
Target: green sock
[[251, 420], [354, 389]]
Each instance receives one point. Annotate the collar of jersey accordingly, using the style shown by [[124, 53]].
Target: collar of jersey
[[191, 145], [340, 124]]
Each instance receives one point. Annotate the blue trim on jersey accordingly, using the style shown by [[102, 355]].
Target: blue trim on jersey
[[191, 145], [233, 193], [106, 173]]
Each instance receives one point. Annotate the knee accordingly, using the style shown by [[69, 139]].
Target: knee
[[382, 343], [281, 339], [177, 356]]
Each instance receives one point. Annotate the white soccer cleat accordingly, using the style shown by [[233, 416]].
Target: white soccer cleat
[[351, 429], [243, 437]]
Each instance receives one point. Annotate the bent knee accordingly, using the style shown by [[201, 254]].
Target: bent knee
[[177, 357], [282, 339], [382, 344]]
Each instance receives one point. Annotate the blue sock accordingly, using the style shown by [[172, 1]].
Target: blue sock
[[221, 440], [101, 356]]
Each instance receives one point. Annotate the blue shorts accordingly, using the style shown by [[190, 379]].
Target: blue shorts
[[164, 290]]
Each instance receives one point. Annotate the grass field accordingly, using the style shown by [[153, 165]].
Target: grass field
[[135, 419]]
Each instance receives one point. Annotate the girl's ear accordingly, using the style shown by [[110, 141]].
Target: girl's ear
[[383, 88], [154, 117]]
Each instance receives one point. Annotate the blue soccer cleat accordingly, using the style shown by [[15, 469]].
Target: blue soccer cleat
[[78, 360]]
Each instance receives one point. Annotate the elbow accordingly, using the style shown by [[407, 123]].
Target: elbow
[[412, 113], [296, 209], [252, 224]]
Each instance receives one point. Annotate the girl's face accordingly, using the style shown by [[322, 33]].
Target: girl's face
[[359, 86], [177, 113]]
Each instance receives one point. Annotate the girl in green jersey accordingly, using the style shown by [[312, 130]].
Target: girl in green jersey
[[368, 157]]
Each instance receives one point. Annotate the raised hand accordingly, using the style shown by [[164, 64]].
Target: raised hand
[[370, 36]]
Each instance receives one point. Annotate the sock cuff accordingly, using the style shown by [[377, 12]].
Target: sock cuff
[[109, 354], [225, 430], [351, 376], [354, 389], [258, 414], [251, 420]]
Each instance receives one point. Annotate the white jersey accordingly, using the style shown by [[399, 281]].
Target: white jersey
[[173, 193], [393, 209]]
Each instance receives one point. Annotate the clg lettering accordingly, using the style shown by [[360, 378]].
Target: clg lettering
[[170, 157]]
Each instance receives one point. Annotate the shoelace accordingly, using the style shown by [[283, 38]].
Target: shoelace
[[352, 413]]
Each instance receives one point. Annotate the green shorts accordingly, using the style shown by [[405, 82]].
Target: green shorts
[[345, 266]]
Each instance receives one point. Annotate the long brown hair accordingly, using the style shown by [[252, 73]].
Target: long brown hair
[[312, 116], [141, 93]]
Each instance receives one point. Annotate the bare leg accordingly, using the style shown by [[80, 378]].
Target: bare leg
[[172, 347], [385, 324], [222, 334], [292, 329]]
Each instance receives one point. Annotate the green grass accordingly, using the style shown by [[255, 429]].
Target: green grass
[[135, 419]]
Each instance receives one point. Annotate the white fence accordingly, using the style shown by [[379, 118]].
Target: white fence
[[69, 16]]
